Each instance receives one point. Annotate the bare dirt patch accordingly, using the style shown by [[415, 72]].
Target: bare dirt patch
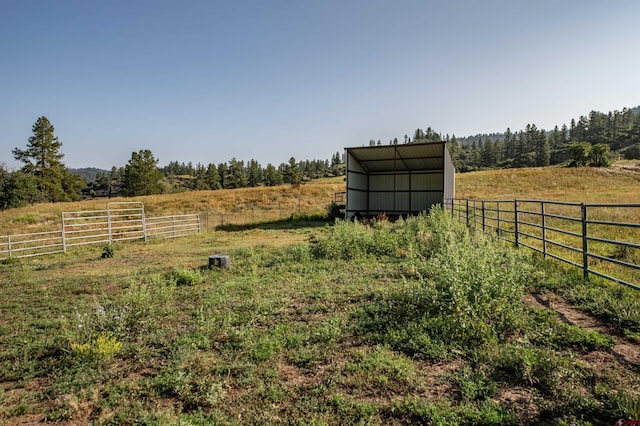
[[623, 350]]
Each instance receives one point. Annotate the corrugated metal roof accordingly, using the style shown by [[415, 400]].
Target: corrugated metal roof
[[408, 157]]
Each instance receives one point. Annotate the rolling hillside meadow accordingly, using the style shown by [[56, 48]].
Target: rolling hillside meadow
[[415, 322]]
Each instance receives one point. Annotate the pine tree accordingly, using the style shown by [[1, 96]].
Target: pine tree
[[43, 160], [223, 172], [272, 177], [213, 177], [254, 174], [294, 175], [237, 175], [141, 175]]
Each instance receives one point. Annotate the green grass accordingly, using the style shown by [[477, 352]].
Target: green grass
[[417, 321]]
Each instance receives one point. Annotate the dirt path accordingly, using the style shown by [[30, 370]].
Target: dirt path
[[625, 352]]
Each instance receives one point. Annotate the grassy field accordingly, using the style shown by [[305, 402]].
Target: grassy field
[[619, 184], [237, 206], [417, 322]]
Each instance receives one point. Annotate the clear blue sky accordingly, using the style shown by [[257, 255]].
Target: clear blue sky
[[205, 81]]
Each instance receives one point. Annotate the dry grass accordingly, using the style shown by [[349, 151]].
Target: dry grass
[[619, 184], [226, 206]]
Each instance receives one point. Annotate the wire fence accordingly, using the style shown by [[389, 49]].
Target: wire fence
[[600, 239], [120, 221], [262, 213]]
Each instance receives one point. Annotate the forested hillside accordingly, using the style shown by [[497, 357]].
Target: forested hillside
[[594, 139]]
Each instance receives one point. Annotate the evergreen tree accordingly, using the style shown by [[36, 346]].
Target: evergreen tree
[[237, 174], [294, 175], [254, 174], [17, 189], [199, 181], [223, 172], [43, 160], [272, 177], [213, 177], [141, 175]]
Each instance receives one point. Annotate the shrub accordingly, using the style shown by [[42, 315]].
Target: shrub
[[102, 348], [466, 295], [107, 252], [600, 155], [334, 211], [632, 153], [354, 240], [184, 276]]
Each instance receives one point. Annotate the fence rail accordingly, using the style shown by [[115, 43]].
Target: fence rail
[[601, 239], [120, 221]]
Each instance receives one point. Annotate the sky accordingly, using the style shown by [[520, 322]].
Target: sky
[[207, 81]]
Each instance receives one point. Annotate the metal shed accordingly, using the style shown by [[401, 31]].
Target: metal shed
[[398, 179]]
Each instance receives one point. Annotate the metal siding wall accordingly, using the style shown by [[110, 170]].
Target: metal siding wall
[[423, 201], [427, 181], [381, 201], [357, 185], [357, 181], [403, 182], [449, 184], [381, 182], [402, 201]]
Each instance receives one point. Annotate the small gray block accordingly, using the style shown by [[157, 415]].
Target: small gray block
[[219, 261]]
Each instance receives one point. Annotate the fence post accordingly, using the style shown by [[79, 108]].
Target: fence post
[[516, 220], [474, 214], [498, 214], [467, 213], [109, 224], [9, 240], [544, 231], [483, 215], [144, 225], [64, 241], [585, 243]]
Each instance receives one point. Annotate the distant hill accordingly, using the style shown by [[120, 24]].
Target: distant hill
[[499, 137], [88, 173]]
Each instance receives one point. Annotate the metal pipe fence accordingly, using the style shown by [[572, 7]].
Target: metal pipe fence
[[601, 239], [119, 222]]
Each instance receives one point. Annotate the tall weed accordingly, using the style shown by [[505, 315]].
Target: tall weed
[[470, 293]]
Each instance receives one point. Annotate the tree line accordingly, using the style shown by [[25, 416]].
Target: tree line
[[142, 176], [45, 178], [590, 140]]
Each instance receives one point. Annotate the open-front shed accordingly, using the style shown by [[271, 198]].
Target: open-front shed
[[398, 179]]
